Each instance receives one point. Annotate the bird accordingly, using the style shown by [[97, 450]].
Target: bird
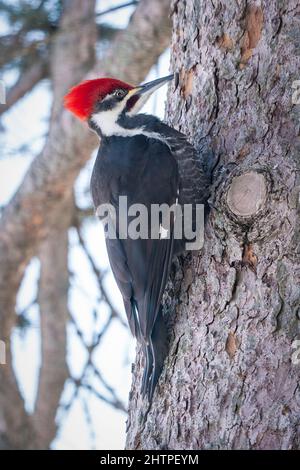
[[150, 163]]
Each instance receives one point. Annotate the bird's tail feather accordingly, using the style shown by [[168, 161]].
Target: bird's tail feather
[[155, 353], [147, 370]]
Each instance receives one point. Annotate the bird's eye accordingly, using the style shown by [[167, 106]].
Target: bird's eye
[[119, 93]]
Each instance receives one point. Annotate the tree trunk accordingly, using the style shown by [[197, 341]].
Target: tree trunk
[[231, 380]]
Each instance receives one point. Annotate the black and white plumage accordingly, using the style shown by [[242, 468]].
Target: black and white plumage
[[151, 163]]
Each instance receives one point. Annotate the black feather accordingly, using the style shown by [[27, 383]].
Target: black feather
[[148, 171]]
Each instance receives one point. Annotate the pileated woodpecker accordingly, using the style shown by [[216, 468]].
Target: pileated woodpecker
[[151, 163]]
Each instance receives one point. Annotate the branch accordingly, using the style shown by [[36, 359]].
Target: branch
[[99, 276], [25, 83], [83, 214], [115, 404], [136, 49], [113, 401], [13, 417], [117, 7], [89, 422], [53, 302]]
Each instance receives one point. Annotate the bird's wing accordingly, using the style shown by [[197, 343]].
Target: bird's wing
[[158, 272], [122, 275], [141, 266]]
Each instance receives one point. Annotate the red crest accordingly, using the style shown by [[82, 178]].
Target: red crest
[[81, 99]]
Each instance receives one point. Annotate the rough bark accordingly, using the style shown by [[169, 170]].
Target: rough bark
[[229, 381]]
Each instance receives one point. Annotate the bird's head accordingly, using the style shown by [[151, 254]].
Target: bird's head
[[101, 102]]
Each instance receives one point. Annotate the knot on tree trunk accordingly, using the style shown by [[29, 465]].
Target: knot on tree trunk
[[242, 200], [247, 194]]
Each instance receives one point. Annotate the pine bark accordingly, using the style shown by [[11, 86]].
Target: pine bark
[[230, 381]]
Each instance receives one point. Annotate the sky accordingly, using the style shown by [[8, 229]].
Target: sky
[[21, 140]]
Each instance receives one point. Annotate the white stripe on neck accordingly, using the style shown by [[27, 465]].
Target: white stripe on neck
[[107, 123]]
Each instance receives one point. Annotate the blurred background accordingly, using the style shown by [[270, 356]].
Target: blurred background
[[90, 411]]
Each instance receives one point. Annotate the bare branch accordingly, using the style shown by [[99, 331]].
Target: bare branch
[[25, 83], [115, 401], [53, 302], [99, 276], [115, 404], [13, 417], [117, 7], [83, 214], [137, 48], [89, 422]]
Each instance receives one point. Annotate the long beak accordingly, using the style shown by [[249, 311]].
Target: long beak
[[150, 87]]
